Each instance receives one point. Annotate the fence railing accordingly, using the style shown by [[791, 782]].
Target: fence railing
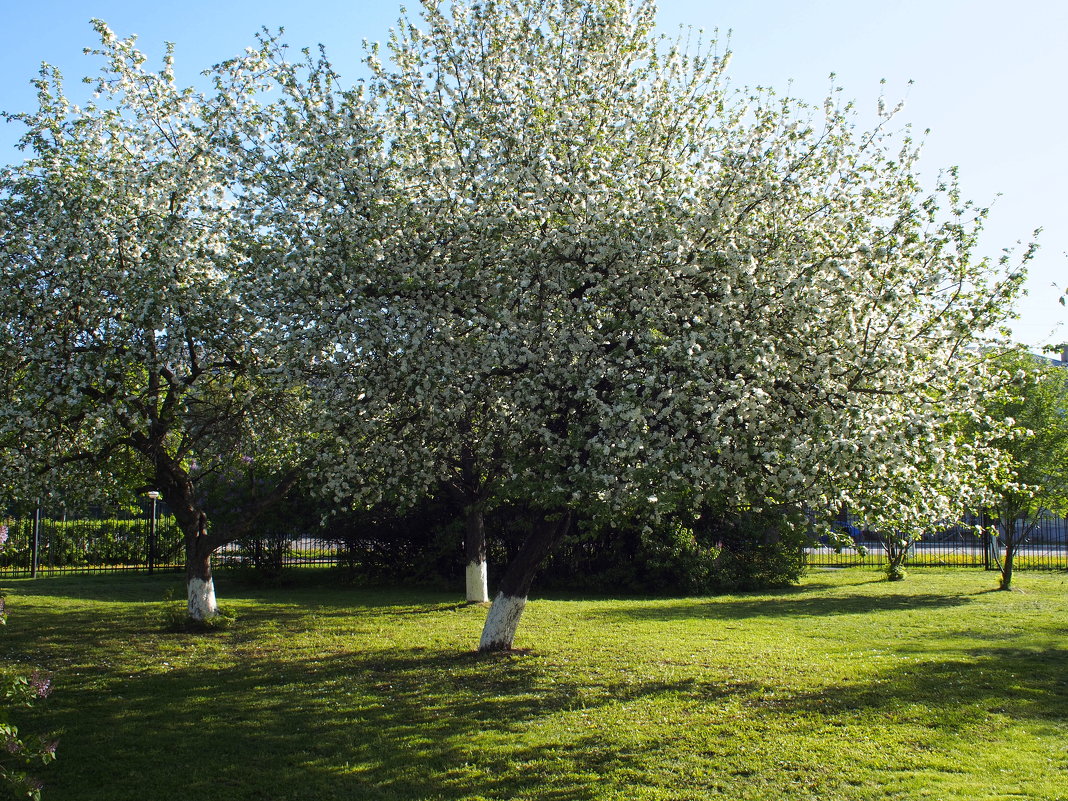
[[49, 542], [1046, 548], [45, 542], [272, 554]]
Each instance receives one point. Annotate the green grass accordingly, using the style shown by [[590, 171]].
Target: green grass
[[848, 687]]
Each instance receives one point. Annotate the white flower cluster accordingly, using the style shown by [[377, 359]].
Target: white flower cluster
[[547, 257], [131, 347], [542, 255]]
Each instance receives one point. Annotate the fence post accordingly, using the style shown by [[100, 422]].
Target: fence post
[[35, 545], [990, 544], [152, 533]]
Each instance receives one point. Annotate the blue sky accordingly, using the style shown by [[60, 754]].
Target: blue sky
[[989, 82]]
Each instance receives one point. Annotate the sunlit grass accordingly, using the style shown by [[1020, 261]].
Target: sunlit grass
[[846, 688]]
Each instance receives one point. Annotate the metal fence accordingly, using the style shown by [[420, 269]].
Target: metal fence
[[47, 541], [1046, 548], [272, 554]]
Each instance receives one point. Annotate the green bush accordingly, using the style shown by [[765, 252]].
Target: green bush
[[422, 545], [714, 553], [757, 551], [19, 751], [669, 559]]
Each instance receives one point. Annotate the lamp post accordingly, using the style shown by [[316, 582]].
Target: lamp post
[[35, 544], [152, 533]]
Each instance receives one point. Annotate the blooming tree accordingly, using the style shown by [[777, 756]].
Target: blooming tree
[[131, 344], [401, 415], [577, 251], [1028, 410]]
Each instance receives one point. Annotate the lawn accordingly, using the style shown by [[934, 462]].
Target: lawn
[[848, 687]]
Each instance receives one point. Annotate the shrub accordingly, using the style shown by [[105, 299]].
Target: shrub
[[423, 544], [18, 751], [756, 550], [669, 559]]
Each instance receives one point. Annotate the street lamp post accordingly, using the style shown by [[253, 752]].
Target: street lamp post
[[35, 543], [152, 533]]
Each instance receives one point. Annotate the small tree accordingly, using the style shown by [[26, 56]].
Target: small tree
[[1033, 401]]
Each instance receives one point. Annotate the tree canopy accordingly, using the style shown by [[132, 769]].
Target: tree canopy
[[1029, 408]]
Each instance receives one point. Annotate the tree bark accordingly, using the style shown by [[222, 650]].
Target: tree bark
[[475, 550], [177, 489], [200, 586], [503, 618], [1013, 535], [1006, 567]]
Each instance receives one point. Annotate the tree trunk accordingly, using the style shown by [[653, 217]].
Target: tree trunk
[[1006, 567], [1016, 536], [178, 491], [511, 599], [180, 496], [475, 550], [1012, 543], [896, 552], [200, 587], [469, 492]]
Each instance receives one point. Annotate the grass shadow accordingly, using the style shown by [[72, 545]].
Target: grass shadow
[[948, 694], [391, 725], [135, 587], [411, 724], [354, 710], [783, 606], [97, 586]]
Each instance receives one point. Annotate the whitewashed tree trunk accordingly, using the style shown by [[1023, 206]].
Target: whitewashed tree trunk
[[200, 586], [475, 550], [202, 605], [477, 582], [509, 603], [501, 622]]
